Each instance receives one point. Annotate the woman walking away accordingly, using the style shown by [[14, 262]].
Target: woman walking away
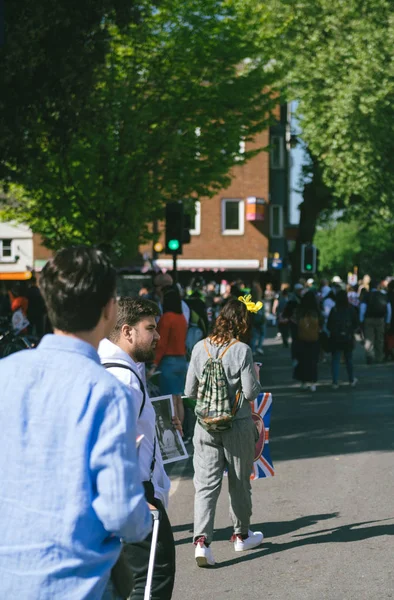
[[309, 322], [342, 324], [223, 378], [171, 349]]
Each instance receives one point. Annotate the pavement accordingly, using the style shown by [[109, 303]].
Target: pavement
[[327, 515]]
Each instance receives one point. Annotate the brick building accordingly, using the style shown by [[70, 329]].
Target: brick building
[[241, 232]]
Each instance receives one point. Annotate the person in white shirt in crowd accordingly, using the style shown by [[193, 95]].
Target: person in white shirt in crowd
[[352, 295], [132, 343]]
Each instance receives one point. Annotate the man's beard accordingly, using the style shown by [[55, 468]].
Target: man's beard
[[144, 355]]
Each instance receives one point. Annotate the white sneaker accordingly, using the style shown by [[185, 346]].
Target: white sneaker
[[335, 386], [253, 540], [313, 388], [303, 386], [203, 554], [354, 382]]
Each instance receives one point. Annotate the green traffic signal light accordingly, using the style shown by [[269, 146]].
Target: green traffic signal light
[[308, 267], [174, 245]]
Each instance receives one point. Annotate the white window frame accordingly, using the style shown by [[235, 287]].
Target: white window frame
[[196, 230], [241, 209], [281, 141], [6, 258], [278, 207]]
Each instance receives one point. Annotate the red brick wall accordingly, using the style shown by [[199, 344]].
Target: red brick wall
[[251, 179], [39, 251]]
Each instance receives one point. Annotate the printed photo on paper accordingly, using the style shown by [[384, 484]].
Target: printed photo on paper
[[170, 440]]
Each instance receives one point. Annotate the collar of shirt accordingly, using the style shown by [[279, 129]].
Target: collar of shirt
[[67, 343], [108, 351]]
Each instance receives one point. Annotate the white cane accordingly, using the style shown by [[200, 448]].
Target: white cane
[[152, 556]]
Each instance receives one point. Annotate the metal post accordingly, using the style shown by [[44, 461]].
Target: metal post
[[174, 267]]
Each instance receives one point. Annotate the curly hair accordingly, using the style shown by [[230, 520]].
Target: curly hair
[[233, 322]]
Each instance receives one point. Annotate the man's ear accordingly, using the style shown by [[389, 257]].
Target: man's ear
[[127, 332]]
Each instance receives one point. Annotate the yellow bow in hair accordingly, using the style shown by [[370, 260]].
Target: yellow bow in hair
[[251, 306]]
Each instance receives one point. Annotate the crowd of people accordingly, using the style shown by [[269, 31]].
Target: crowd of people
[[81, 459], [326, 319], [317, 320], [24, 300]]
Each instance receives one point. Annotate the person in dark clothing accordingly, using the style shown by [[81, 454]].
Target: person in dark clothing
[[5, 304], [196, 304], [36, 310], [289, 315], [342, 324], [389, 337], [375, 317], [309, 322]]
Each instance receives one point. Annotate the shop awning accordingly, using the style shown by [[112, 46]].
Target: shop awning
[[210, 264], [16, 276]]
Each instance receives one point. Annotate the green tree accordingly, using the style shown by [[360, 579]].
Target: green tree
[[47, 67], [337, 59], [178, 92], [367, 245]]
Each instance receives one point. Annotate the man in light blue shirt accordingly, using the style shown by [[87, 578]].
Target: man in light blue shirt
[[70, 485]]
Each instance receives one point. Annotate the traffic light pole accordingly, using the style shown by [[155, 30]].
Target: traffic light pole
[[174, 267]]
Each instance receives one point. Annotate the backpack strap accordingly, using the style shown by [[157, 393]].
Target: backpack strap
[[207, 349], [142, 387], [236, 403], [228, 347]]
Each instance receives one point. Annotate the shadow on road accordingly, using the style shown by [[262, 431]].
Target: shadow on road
[[270, 529], [354, 532]]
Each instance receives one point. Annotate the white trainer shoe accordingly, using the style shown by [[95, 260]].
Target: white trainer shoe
[[313, 388], [253, 540], [203, 554]]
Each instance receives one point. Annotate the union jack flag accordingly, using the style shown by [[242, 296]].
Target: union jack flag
[[261, 414]]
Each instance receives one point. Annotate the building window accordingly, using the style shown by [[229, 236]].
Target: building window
[[233, 217], [5, 249], [276, 221], [196, 220], [277, 152]]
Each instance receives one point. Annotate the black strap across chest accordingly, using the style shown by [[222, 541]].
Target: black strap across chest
[[142, 387]]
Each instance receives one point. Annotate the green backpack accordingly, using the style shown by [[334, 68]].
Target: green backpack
[[213, 407]]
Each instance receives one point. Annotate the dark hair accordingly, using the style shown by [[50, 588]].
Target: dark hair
[[172, 300], [341, 299], [130, 312], [76, 285], [233, 322], [309, 303]]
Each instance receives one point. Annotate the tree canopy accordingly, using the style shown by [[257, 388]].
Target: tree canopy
[[178, 91], [337, 59], [366, 245], [47, 67]]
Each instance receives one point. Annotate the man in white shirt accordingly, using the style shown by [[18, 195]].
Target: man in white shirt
[[132, 343]]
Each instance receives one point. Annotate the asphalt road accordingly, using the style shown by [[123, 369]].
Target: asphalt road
[[327, 515]]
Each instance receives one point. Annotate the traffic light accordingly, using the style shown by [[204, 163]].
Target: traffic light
[[308, 258], [178, 225], [174, 227]]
